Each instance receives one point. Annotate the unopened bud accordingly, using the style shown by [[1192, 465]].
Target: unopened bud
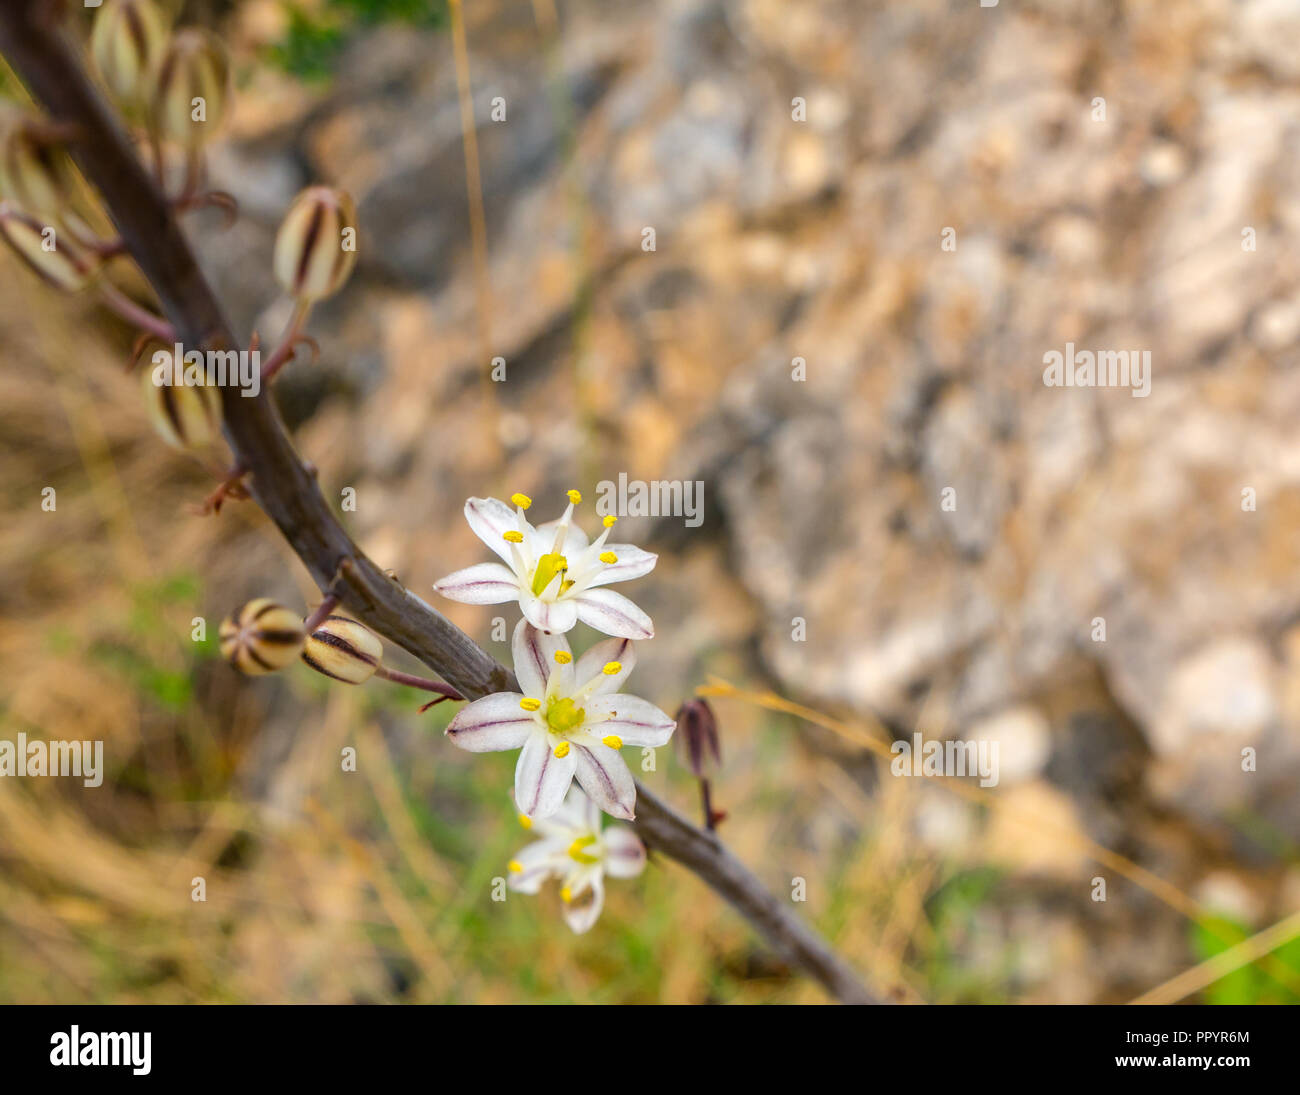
[[126, 43], [186, 416], [35, 171], [55, 258], [261, 637], [343, 650], [697, 738], [315, 248], [192, 88]]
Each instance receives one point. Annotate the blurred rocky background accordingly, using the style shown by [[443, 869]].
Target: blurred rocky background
[[1111, 595]]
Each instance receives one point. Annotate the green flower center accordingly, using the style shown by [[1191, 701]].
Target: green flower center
[[562, 716], [578, 852], [548, 566]]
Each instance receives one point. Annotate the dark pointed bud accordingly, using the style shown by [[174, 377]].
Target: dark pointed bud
[[35, 171], [126, 44], [186, 416], [343, 650], [53, 255], [697, 738], [192, 88], [261, 637], [316, 246]]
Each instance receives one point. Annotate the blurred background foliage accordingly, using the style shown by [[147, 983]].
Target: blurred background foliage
[[774, 239]]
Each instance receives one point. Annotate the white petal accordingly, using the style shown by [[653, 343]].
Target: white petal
[[614, 614], [575, 540], [636, 721], [558, 616], [490, 518], [540, 860], [624, 852], [605, 777], [541, 778], [483, 584], [492, 724], [591, 666], [581, 914], [534, 654], [633, 562]]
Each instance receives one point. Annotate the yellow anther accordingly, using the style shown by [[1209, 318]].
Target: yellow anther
[[525, 821], [521, 500], [613, 741], [563, 657], [516, 866], [611, 668], [610, 521], [514, 536], [530, 704], [566, 895], [574, 496], [562, 750], [608, 557]]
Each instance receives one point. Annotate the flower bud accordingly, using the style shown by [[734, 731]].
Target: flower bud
[[186, 416], [126, 43], [55, 258], [344, 650], [697, 738], [191, 91], [261, 637], [35, 172], [316, 246]]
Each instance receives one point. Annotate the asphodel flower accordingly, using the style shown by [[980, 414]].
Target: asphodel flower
[[35, 171], [186, 416], [315, 248], [191, 88], [555, 573], [52, 254], [570, 721], [126, 43], [261, 637], [573, 848]]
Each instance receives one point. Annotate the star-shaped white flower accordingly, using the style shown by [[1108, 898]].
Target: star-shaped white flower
[[568, 722], [575, 849], [554, 571]]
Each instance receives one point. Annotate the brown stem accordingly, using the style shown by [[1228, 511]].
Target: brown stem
[[139, 317], [445, 691], [45, 59]]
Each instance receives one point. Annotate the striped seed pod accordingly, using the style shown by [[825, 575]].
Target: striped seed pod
[[55, 257], [192, 88], [186, 416], [316, 246], [35, 171], [261, 637], [128, 39], [343, 650]]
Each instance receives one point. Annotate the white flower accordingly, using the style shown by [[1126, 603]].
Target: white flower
[[553, 570], [567, 722], [574, 849]]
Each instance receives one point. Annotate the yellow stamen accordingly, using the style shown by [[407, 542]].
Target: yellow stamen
[[613, 741], [563, 657], [566, 895], [608, 557], [610, 521], [514, 536], [574, 497], [516, 866], [525, 821], [611, 668], [521, 500], [577, 850], [530, 704], [562, 750]]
